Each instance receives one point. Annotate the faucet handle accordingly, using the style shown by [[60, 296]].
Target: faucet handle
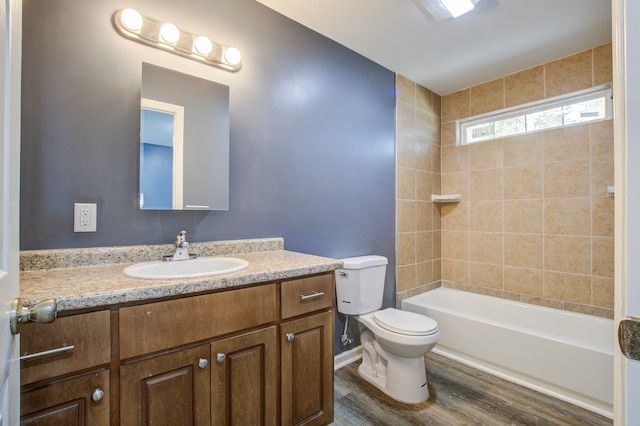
[[181, 238]]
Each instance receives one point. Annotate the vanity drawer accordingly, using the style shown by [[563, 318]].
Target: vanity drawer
[[162, 325], [89, 335], [304, 295]]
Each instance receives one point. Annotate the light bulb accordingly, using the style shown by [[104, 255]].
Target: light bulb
[[232, 56], [458, 7], [170, 33], [203, 45], [131, 19]]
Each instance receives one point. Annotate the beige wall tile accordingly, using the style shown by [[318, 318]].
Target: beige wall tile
[[567, 179], [601, 136], [424, 100], [455, 245], [567, 254], [424, 216], [424, 153], [424, 272], [601, 175], [406, 211], [486, 216], [456, 183], [406, 150], [405, 118], [523, 250], [524, 87], [485, 155], [567, 216], [455, 270], [437, 270], [424, 246], [454, 158], [523, 216], [424, 185], [456, 105], [485, 185], [602, 221], [437, 216], [569, 74], [437, 104], [437, 244], [568, 143], [436, 159], [406, 277], [405, 89], [486, 247], [406, 183], [455, 216], [487, 97], [602, 65], [525, 150], [523, 182], [603, 258], [448, 132], [523, 281], [569, 287], [602, 292], [484, 275], [406, 250], [427, 126]]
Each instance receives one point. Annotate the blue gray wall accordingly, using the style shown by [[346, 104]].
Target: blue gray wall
[[312, 132]]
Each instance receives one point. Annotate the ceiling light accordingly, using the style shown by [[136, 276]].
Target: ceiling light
[[441, 10]]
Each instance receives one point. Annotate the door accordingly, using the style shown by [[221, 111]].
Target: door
[[626, 62], [10, 26], [244, 379]]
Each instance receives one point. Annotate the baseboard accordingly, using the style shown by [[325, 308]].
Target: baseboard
[[347, 357]]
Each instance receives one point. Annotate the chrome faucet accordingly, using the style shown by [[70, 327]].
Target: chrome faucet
[[182, 246]]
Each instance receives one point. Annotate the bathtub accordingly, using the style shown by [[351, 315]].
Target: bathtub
[[560, 353]]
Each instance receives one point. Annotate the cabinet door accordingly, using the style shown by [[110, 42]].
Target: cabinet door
[[307, 370], [244, 379], [171, 389], [68, 403]]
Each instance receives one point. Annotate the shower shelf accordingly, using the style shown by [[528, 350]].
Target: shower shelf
[[449, 198]]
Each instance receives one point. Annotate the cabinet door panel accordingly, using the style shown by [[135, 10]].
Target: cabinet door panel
[[244, 383], [307, 370], [68, 403], [167, 389]]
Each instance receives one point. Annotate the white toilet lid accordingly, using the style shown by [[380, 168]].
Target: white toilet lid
[[403, 322]]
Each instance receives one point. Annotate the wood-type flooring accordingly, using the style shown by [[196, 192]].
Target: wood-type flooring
[[459, 395]]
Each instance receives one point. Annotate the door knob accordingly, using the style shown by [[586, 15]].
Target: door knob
[[43, 312]]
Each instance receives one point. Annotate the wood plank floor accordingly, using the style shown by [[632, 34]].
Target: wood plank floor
[[459, 395]]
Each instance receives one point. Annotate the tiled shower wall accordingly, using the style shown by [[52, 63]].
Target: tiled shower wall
[[418, 176], [535, 222]]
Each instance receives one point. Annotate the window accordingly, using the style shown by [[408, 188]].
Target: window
[[577, 108]]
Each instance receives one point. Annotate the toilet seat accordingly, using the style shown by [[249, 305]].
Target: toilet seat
[[406, 323]]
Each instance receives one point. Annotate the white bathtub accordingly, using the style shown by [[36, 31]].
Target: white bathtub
[[560, 353]]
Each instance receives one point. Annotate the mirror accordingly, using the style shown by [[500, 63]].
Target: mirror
[[184, 142]]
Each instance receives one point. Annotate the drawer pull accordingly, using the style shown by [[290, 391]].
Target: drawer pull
[[97, 395], [311, 296], [202, 363], [290, 337], [221, 357], [47, 353]]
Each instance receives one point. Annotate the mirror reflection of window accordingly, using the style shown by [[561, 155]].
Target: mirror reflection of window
[[161, 159]]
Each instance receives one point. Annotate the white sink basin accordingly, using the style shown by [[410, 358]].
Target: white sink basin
[[193, 268]]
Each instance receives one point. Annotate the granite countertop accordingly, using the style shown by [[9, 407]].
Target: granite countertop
[[103, 284]]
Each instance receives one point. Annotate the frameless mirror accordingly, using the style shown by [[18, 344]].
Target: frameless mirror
[[184, 142]]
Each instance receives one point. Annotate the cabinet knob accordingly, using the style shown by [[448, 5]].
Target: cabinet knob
[[290, 337], [97, 395], [221, 357], [202, 363]]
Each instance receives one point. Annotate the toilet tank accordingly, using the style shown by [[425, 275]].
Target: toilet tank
[[360, 284]]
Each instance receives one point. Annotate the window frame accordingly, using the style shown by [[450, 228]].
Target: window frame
[[533, 107]]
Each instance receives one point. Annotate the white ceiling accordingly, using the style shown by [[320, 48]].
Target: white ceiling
[[497, 38]]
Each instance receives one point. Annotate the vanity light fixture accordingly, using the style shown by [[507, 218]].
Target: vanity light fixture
[[130, 24]]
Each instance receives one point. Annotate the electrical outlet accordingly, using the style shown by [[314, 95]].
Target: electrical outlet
[[85, 216]]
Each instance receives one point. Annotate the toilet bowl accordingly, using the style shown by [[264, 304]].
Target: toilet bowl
[[394, 342]]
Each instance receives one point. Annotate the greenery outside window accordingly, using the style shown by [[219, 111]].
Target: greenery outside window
[[576, 108]]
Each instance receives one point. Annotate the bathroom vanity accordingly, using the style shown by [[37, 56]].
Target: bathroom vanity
[[252, 347]]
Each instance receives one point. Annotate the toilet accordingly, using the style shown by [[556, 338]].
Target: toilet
[[393, 341]]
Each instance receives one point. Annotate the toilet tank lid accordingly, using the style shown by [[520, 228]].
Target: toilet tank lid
[[361, 262]]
